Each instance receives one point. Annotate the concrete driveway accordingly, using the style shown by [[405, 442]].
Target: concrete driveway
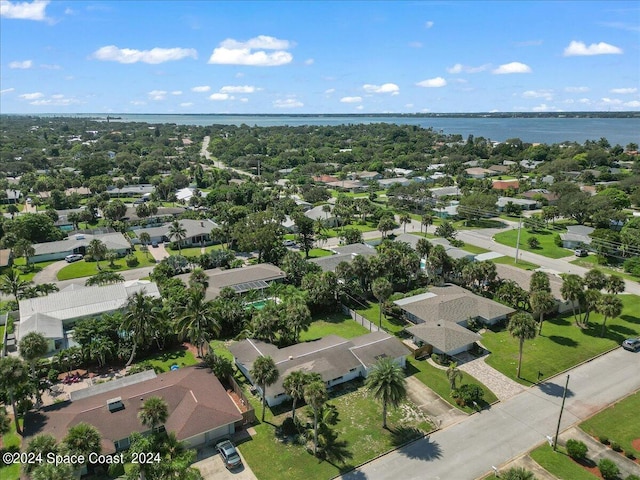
[[159, 252], [439, 412], [212, 468]]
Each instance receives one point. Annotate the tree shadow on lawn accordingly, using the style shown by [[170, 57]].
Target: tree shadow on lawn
[[630, 319], [622, 330], [554, 390], [403, 434], [595, 330], [564, 341]]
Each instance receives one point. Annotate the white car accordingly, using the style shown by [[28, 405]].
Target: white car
[[74, 257]]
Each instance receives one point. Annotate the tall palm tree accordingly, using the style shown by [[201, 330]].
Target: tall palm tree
[[404, 220], [96, 250], [81, 440], [24, 248], [197, 320], [199, 279], [33, 346], [13, 378], [140, 311], [539, 281], [387, 384], [315, 394], [594, 279], [111, 256], [426, 221], [423, 247], [145, 240], [11, 284], [42, 444], [293, 385], [52, 471], [573, 290], [154, 412], [298, 316], [609, 306], [382, 290], [177, 232], [541, 302], [614, 284], [523, 327], [264, 373], [453, 375]]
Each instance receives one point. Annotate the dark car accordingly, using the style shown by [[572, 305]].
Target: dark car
[[154, 244], [631, 344], [229, 454], [581, 252]]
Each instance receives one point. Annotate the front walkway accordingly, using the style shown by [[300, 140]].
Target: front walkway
[[502, 386]]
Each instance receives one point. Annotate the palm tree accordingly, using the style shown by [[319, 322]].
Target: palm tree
[[178, 232], [111, 256], [104, 278], [197, 320], [13, 378], [11, 284], [140, 311], [52, 471], [594, 279], [81, 440], [404, 219], [298, 316], [96, 250], [382, 290], [609, 306], [423, 247], [517, 473], [387, 384], [293, 385], [145, 240], [573, 290], [541, 302], [539, 281], [264, 373], [315, 394], [199, 279], [154, 412], [453, 375], [523, 327], [24, 248], [614, 284], [427, 221], [33, 346], [42, 444]]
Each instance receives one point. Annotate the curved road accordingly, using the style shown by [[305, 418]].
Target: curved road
[[204, 152]]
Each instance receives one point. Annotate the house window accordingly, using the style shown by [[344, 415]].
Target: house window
[[353, 370], [335, 379]]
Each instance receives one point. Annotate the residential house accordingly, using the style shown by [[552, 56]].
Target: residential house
[[55, 314], [200, 411], [336, 359], [318, 213], [63, 222], [141, 190], [443, 337], [11, 196], [240, 280], [499, 169], [576, 236], [6, 257], [348, 185], [345, 253], [163, 214], [453, 252], [184, 194], [198, 232], [387, 182], [524, 203], [366, 176], [550, 197], [479, 172], [78, 243], [505, 185], [440, 192], [324, 178]]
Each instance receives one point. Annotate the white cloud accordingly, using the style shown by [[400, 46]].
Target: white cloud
[[243, 99], [391, 88], [252, 52], [632, 104], [436, 82], [581, 49], [329, 91], [428, 24], [545, 108], [57, 100], [32, 96], [408, 105], [176, 92], [459, 68], [50, 66], [239, 89], [201, 88], [7, 90], [611, 101], [157, 94], [137, 102], [111, 53], [288, 103], [186, 104], [513, 67], [25, 64], [623, 91], [219, 97], [585, 101], [24, 10], [576, 89], [415, 44], [546, 94], [309, 61], [359, 107], [351, 99]]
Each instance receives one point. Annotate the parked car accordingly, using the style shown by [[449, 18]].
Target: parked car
[[289, 243], [631, 344], [581, 252], [74, 257], [154, 244], [229, 454]]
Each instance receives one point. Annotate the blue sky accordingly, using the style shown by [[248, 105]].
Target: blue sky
[[318, 57]]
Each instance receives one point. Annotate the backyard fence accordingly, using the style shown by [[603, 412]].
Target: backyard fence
[[248, 416], [359, 319]]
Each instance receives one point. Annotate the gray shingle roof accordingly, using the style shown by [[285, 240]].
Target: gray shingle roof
[[48, 326], [445, 336], [113, 241], [193, 228]]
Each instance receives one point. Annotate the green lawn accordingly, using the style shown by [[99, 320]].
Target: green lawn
[[360, 438], [336, 324], [521, 263], [592, 262], [559, 463], [562, 344], [10, 443], [390, 324], [436, 380], [193, 251], [620, 423], [85, 268], [476, 224], [35, 268], [164, 360], [548, 248], [317, 252], [474, 249], [333, 232]]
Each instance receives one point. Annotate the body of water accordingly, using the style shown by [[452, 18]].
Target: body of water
[[532, 130]]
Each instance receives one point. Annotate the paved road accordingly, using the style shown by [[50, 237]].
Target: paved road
[[467, 450], [216, 163]]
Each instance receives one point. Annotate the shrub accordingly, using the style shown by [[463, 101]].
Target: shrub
[[533, 243], [52, 375], [221, 367], [630, 456], [608, 469], [615, 446], [470, 393], [517, 473], [576, 449], [632, 477], [132, 261], [289, 427], [604, 440]]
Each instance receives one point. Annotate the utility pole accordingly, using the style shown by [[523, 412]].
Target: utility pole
[[518, 240], [564, 396]]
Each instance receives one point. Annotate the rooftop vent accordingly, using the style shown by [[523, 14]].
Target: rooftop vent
[[115, 404]]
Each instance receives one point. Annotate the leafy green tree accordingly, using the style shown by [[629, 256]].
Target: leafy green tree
[[24, 248], [453, 375], [608, 469], [305, 236], [264, 373], [609, 306], [13, 379], [114, 210], [350, 235], [178, 233], [523, 327], [197, 321], [387, 384], [533, 243], [154, 412], [382, 290], [614, 284], [576, 449], [52, 471], [315, 394], [446, 230], [32, 346], [385, 225], [475, 206]]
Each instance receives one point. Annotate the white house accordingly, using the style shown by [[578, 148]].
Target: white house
[[78, 243]]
